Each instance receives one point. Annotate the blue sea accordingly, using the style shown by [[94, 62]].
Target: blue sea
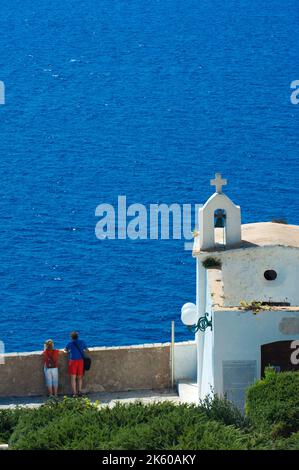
[[146, 99]]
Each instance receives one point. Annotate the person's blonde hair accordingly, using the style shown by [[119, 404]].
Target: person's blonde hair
[[49, 344]]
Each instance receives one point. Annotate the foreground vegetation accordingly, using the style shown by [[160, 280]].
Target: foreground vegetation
[[271, 422]]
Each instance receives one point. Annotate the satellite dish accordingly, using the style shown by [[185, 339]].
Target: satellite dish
[[188, 314]]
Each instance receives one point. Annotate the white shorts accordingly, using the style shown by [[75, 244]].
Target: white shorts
[[51, 376]]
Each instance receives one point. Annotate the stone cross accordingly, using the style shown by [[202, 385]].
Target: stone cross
[[218, 182]]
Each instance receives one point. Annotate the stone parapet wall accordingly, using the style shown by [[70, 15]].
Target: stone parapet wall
[[146, 366]]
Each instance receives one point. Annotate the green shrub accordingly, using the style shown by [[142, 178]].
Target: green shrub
[[74, 424], [8, 421], [77, 424], [273, 402], [161, 431], [214, 424], [291, 443], [221, 409], [211, 435], [56, 425]]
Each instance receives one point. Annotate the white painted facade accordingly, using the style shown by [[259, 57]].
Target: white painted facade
[[243, 275], [237, 337], [185, 361], [233, 352]]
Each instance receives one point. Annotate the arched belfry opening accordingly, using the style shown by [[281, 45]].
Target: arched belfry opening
[[219, 220], [220, 226]]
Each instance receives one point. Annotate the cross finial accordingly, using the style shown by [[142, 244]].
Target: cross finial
[[218, 182]]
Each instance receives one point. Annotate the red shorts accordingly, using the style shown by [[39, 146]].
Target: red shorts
[[76, 367]]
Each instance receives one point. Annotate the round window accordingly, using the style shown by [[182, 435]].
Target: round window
[[270, 275]]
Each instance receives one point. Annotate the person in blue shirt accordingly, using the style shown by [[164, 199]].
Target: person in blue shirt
[[76, 348]]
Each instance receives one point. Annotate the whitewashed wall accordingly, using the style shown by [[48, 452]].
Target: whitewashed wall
[[185, 362], [238, 336], [243, 275]]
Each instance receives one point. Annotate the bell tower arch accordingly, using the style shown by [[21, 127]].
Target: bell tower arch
[[219, 212]]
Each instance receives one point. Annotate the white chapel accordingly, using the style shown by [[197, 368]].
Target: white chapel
[[246, 315]]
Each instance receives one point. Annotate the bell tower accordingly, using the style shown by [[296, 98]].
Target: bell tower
[[219, 220]]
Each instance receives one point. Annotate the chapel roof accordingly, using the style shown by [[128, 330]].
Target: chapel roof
[[258, 234], [271, 233]]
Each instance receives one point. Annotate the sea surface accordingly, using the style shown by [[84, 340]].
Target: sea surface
[[145, 99]]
